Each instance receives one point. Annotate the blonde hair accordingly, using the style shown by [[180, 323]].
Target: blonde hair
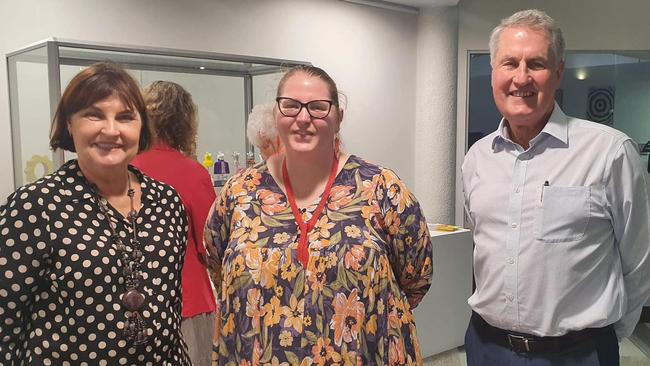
[[311, 71]]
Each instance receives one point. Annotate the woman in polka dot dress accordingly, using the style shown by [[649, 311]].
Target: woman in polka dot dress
[[91, 254]]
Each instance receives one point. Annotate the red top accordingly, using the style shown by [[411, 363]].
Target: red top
[[193, 183]]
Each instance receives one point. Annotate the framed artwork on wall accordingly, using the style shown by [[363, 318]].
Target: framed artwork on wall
[[600, 104]]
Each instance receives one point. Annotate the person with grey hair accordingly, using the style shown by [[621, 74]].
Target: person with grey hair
[[560, 216], [261, 130]]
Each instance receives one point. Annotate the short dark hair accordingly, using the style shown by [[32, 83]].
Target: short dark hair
[[97, 82]]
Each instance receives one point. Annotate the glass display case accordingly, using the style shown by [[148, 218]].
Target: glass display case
[[225, 87]]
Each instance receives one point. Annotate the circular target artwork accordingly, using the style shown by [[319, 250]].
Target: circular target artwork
[[600, 105]]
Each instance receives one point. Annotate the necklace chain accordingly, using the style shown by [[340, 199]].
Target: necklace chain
[[130, 255]]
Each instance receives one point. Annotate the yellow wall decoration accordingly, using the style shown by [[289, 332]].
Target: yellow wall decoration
[[35, 160]]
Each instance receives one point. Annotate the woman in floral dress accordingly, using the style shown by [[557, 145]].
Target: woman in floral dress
[[323, 254]]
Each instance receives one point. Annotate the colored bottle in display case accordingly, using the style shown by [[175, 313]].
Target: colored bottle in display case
[[221, 171]]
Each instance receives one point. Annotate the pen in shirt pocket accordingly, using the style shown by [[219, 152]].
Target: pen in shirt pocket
[[541, 196]]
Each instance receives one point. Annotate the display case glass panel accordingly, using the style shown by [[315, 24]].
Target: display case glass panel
[[30, 112], [223, 86]]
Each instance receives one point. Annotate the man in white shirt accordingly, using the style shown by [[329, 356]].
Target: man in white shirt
[[560, 213]]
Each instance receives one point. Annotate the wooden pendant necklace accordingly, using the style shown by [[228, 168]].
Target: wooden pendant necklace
[[305, 227], [135, 328]]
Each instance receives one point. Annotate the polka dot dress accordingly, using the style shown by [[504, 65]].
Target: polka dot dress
[[60, 294]]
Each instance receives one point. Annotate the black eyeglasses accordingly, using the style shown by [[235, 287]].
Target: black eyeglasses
[[316, 108]]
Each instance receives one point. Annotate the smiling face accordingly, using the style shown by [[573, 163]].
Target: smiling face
[[304, 133], [525, 76], [105, 135]]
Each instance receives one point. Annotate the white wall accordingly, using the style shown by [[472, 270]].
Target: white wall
[[369, 52], [587, 25], [435, 112]]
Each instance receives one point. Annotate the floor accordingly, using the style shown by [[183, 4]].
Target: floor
[[634, 351], [640, 342]]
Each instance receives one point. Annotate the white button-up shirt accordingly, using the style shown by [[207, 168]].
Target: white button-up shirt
[[561, 229]]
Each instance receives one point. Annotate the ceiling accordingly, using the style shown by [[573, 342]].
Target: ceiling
[[408, 6], [424, 3]]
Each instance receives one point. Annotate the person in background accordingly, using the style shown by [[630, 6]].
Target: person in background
[[261, 131], [560, 213], [323, 253], [171, 159], [91, 254]]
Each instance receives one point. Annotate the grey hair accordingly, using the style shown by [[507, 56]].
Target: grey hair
[[535, 19], [260, 128]]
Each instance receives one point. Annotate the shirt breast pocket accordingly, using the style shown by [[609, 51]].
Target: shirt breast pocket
[[564, 214]]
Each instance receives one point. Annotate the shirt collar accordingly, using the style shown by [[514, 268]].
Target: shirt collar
[[557, 127], [75, 187]]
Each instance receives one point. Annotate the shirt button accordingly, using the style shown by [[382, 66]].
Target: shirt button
[[510, 298], [517, 190], [510, 261], [514, 225]]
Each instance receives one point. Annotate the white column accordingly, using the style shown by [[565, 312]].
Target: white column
[[435, 112]]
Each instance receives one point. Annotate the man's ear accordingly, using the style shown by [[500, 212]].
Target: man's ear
[[560, 71]]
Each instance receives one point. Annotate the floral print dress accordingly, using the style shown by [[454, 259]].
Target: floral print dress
[[370, 262]]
